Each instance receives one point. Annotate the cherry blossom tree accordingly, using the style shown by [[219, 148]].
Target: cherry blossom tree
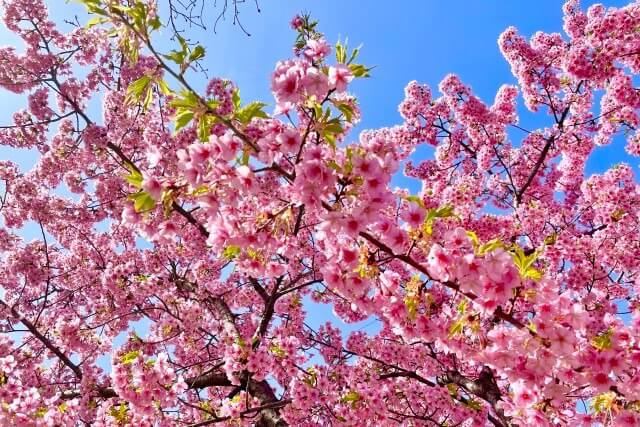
[[498, 287]]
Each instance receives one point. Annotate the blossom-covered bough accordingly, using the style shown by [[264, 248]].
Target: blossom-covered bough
[[498, 287]]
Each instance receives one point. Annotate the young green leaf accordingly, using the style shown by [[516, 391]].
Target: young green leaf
[[231, 252], [457, 327], [119, 413], [182, 119], [359, 70], [347, 110], [134, 178], [204, 127], [176, 56], [129, 357], [197, 53], [142, 201], [415, 199], [164, 87], [235, 98], [187, 99], [138, 88], [341, 53], [251, 110]]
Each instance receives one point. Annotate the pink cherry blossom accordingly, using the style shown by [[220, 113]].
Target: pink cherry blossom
[[166, 262], [339, 77], [317, 49]]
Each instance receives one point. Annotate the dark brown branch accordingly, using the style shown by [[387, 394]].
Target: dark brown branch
[[44, 340], [536, 169]]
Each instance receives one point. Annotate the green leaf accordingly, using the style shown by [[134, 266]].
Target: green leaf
[[277, 351], [551, 239], [317, 110], [354, 54], [462, 307], [119, 413], [457, 327], [244, 160], [231, 252], [473, 404], [525, 263], [96, 21], [90, 3], [359, 70], [137, 88], [235, 98], [134, 178], [130, 357], [334, 165], [182, 119], [142, 201], [411, 304], [602, 341], [341, 53], [204, 127], [197, 53], [187, 99], [251, 110], [164, 87], [167, 198], [147, 98], [453, 390], [474, 238], [155, 23], [183, 43], [347, 110], [334, 126], [533, 274], [441, 212], [415, 199], [348, 167], [176, 56], [331, 140], [94, 7], [444, 211], [491, 245], [351, 397], [312, 378], [122, 9], [604, 402], [327, 114]]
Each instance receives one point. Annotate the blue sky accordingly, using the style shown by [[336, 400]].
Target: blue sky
[[413, 40]]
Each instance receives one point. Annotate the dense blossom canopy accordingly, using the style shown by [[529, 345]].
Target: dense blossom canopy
[[498, 287]]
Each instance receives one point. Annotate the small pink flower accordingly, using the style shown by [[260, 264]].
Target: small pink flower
[[626, 419], [414, 215], [339, 77], [315, 83], [289, 140], [153, 187], [523, 395], [438, 262], [297, 22], [317, 49]]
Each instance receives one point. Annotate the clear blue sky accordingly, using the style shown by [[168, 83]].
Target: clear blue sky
[[411, 40]]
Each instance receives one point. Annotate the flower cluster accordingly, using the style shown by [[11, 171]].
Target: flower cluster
[[192, 238]]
